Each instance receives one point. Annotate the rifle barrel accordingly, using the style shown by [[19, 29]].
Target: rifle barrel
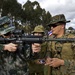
[[61, 39]]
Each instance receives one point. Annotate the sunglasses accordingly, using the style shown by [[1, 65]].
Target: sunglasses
[[55, 25]]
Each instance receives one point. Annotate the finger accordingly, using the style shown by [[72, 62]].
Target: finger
[[13, 44], [37, 44], [10, 50]]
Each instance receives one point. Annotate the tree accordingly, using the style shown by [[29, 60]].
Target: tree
[[30, 12], [35, 14], [13, 7], [27, 28], [70, 28]]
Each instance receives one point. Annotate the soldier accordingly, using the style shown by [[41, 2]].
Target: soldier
[[11, 62], [63, 53], [35, 67]]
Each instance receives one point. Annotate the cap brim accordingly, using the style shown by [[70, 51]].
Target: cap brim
[[57, 22], [67, 21], [36, 32]]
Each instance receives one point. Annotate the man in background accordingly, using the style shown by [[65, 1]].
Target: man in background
[[36, 67]]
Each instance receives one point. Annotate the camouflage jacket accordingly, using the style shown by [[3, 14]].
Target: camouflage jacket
[[65, 51], [11, 63]]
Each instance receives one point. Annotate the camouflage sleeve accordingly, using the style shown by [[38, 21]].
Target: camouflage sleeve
[[70, 64], [1, 47]]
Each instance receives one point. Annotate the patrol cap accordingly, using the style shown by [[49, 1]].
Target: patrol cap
[[58, 19], [38, 28], [4, 19], [5, 25], [6, 30]]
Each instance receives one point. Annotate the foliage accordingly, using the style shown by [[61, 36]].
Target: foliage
[[31, 13], [35, 14], [70, 28]]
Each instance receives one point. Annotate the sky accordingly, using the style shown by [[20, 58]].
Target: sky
[[66, 7]]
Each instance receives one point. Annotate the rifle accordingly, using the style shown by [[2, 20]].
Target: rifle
[[35, 39], [22, 40]]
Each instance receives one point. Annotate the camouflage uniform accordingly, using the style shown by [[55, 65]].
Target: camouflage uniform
[[34, 68], [63, 50], [10, 62]]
